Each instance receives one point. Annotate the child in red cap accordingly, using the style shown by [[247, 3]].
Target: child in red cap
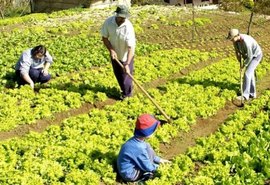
[[137, 160]]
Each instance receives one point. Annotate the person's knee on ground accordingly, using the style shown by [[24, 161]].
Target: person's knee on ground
[[20, 81], [141, 176], [147, 176], [34, 74], [44, 78]]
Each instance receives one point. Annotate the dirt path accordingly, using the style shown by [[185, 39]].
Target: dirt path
[[178, 145], [57, 119], [205, 127]]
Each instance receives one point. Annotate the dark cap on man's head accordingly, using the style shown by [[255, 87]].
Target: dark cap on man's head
[[122, 11]]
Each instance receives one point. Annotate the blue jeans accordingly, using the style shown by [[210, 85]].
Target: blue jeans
[[249, 86], [35, 74]]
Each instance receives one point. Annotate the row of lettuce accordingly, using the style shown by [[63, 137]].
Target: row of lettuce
[[237, 154], [72, 36], [83, 149], [24, 106], [71, 54]]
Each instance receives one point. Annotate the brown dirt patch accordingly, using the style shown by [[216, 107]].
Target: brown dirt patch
[[57, 119], [205, 127], [202, 128]]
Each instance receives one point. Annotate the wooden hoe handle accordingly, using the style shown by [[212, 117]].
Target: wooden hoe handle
[[146, 93]]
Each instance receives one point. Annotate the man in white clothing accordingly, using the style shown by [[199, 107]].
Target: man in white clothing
[[246, 47], [119, 38]]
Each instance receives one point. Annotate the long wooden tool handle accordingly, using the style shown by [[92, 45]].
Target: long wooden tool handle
[[241, 79], [146, 93], [241, 86]]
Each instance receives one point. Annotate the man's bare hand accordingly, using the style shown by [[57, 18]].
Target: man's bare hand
[[45, 72], [113, 54], [127, 70]]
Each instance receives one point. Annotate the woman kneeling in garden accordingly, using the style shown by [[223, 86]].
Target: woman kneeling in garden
[[33, 66]]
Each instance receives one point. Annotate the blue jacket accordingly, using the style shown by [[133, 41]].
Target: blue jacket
[[136, 155]]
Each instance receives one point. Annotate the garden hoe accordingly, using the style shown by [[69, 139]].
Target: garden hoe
[[241, 82], [145, 92]]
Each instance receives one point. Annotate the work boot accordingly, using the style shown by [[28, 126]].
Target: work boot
[[252, 97], [241, 98], [122, 97]]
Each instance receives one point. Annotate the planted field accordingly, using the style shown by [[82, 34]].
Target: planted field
[[70, 131]]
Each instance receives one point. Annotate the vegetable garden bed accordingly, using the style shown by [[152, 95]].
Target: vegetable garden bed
[[82, 148]]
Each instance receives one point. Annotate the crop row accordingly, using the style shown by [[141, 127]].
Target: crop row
[[71, 53], [23, 106], [85, 147], [73, 37], [237, 154]]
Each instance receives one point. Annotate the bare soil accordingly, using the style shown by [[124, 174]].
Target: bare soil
[[205, 127], [57, 119], [202, 128]]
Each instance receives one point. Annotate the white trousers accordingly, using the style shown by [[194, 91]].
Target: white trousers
[[249, 86]]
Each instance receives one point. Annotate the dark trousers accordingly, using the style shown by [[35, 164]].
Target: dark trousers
[[144, 176], [35, 74], [124, 81]]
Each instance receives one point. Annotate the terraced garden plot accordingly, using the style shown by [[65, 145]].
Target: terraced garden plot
[[82, 148]]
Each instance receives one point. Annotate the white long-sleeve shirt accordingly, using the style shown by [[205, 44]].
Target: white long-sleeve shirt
[[248, 48], [121, 37], [26, 61]]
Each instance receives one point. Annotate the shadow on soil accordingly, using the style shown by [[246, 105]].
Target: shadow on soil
[[111, 92], [109, 156], [11, 79], [207, 83]]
